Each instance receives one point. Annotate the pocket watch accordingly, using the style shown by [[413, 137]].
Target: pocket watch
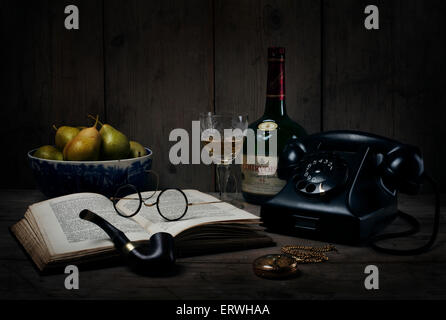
[[284, 265], [276, 266]]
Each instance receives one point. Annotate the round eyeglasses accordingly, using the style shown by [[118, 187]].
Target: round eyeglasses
[[172, 203]]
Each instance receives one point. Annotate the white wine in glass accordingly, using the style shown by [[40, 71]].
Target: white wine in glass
[[224, 150], [222, 138]]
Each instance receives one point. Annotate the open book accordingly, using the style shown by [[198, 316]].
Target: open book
[[53, 234]]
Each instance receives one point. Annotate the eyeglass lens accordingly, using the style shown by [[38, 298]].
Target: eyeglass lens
[[172, 204], [132, 206]]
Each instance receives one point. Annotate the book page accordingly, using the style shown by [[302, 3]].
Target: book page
[[196, 214], [64, 232]]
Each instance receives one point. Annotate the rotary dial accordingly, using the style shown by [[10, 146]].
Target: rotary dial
[[321, 173]]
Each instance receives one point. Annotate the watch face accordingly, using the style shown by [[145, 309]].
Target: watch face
[[275, 266]]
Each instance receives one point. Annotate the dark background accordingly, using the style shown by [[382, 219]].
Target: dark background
[[147, 67]]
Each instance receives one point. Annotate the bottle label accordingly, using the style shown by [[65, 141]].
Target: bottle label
[[267, 126], [261, 178]]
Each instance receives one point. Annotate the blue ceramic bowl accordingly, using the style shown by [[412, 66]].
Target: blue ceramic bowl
[[56, 178]]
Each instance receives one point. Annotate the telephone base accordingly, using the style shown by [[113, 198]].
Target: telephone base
[[328, 227]]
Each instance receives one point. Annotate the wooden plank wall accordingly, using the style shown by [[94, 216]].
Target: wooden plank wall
[[391, 81], [243, 32], [147, 67], [159, 76], [48, 76]]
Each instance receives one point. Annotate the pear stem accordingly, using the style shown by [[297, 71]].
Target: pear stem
[[96, 119], [96, 122], [54, 127]]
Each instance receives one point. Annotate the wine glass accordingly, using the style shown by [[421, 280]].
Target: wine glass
[[222, 141]]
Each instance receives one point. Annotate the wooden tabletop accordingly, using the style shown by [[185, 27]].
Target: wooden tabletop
[[229, 275]]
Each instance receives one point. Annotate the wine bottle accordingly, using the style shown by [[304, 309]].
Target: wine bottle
[[259, 175]]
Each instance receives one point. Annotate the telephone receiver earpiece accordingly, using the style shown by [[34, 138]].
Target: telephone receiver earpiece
[[403, 169], [289, 158], [159, 253]]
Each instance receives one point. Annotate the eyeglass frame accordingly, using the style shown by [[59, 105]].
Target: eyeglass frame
[[143, 201]]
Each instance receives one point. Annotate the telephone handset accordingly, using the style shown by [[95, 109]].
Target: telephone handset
[[343, 185]]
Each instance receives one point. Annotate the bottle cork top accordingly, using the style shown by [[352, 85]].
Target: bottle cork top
[[276, 52]]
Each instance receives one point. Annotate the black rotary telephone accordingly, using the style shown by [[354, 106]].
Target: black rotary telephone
[[342, 186]]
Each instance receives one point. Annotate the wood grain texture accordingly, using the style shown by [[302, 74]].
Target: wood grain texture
[[212, 281], [166, 61], [387, 81], [357, 69], [50, 75], [159, 77], [243, 32], [219, 276], [419, 80]]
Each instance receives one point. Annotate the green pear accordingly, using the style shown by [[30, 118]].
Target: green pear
[[48, 152], [86, 146], [64, 134], [115, 144], [136, 150]]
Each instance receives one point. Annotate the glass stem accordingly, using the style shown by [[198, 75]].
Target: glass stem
[[222, 178]]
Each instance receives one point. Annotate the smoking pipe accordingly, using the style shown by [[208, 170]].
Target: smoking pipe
[[159, 253]]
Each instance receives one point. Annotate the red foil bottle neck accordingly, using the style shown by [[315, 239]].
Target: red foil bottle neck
[[276, 73]]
